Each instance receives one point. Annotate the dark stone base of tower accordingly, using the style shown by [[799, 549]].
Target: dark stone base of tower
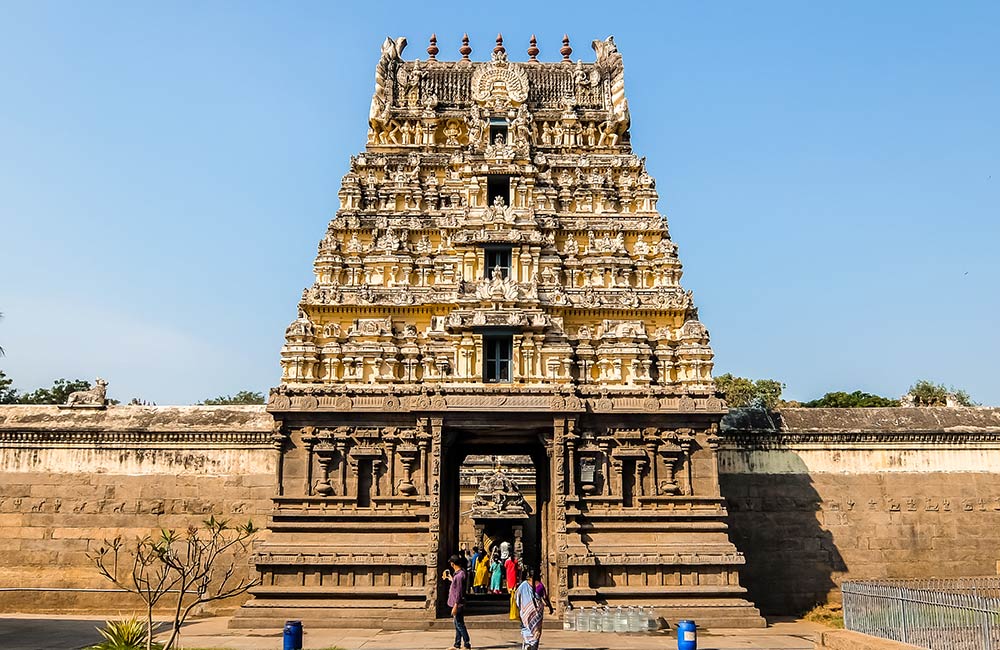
[[628, 506], [497, 280]]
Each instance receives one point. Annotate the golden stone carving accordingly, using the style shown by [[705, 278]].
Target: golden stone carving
[[497, 275]]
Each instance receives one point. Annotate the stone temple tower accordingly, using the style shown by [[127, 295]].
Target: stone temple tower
[[497, 280]]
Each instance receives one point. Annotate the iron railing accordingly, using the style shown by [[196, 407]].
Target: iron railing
[[952, 614]]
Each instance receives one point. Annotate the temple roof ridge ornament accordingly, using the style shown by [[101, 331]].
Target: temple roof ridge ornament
[[499, 82]]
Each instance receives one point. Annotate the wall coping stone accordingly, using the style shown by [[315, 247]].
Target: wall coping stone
[[164, 426], [848, 640]]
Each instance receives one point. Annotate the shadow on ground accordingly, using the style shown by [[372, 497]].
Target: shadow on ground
[[47, 634]]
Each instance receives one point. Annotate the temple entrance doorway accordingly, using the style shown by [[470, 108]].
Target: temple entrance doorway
[[495, 497], [498, 507]]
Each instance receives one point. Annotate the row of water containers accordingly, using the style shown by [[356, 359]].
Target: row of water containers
[[605, 619]]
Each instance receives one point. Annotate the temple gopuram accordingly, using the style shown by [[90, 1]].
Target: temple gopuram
[[496, 281]]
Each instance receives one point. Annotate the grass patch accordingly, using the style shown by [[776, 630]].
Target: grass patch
[[830, 615]]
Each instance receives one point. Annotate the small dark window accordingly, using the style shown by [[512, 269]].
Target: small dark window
[[497, 185], [365, 483], [628, 484], [498, 355], [497, 258], [498, 126]]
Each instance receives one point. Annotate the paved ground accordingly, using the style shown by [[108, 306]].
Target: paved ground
[[48, 634], [70, 633], [212, 633]]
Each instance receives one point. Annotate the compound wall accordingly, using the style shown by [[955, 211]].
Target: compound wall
[[815, 495], [71, 478], [820, 495]]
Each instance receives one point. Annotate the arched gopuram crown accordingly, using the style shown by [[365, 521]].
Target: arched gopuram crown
[[498, 235]]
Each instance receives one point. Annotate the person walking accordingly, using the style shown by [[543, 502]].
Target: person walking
[[541, 591], [529, 608], [456, 600]]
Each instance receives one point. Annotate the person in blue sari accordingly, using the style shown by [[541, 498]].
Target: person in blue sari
[[496, 572], [530, 609]]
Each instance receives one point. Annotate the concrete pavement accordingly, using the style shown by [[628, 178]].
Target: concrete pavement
[[213, 633], [21, 632]]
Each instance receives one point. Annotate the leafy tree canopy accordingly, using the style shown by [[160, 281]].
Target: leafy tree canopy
[[7, 394], [741, 392], [927, 393], [242, 397], [58, 394], [843, 400]]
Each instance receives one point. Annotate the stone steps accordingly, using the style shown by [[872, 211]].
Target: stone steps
[[490, 613]]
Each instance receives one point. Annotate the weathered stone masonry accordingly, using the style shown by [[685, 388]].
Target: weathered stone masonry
[[497, 279], [70, 478], [814, 496]]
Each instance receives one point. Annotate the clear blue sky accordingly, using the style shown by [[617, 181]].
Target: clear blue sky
[[829, 170]]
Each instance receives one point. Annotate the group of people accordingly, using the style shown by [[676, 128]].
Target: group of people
[[494, 573], [529, 597]]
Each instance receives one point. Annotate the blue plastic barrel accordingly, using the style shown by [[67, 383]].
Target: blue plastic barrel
[[687, 635], [293, 635]]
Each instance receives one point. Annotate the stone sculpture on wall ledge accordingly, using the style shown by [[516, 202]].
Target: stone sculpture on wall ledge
[[95, 397]]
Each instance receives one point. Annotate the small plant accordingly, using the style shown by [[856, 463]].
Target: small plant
[[126, 634]]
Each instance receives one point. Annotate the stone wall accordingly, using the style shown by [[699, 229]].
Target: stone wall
[[814, 495], [846, 640], [820, 495], [70, 478]]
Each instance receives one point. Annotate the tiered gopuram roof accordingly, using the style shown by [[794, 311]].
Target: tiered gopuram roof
[[532, 159]]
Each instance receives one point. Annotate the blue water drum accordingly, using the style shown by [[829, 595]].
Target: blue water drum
[[293, 635], [687, 635]]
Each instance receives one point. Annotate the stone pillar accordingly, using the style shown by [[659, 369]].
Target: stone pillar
[[560, 596], [278, 440], [308, 444], [434, 549]]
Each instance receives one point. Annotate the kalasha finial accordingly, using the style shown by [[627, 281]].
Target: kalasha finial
[[499, 49], [533, 49], [465, 50], [566, 50], [432, 49]]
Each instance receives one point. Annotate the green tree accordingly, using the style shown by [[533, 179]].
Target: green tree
[[60, 390], [741, 392], [8, 395], [857, 399], [242, 397], [927, 393]]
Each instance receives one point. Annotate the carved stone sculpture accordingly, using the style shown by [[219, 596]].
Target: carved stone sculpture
[[95, 396]]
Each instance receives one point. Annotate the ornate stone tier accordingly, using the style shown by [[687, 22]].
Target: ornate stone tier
[[497, 280], [472, 397], [364, 490]]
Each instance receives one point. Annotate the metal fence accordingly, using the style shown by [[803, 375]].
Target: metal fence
[[957, 614]]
